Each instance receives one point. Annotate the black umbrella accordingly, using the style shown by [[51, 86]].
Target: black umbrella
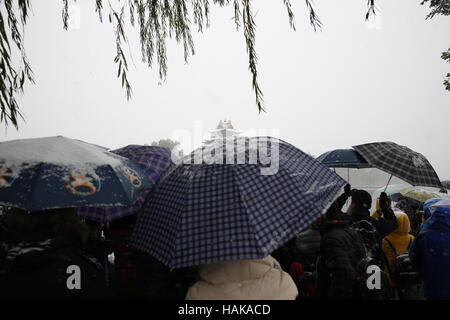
[[343, 158], [401, 162]]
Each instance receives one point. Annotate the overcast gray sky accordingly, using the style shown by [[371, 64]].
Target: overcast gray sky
[[346, 85]]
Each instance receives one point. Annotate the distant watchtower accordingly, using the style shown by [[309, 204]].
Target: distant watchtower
[[224, 130]]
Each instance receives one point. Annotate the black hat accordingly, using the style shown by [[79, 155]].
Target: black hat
[[362, 199]]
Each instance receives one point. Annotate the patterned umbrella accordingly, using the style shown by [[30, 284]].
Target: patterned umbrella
[[393, 191], [58, 172], [343, 158], [234, 200], [152, 160], [419, 194], [401, 162]]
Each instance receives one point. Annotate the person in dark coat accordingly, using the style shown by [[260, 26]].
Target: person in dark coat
[[308, 247], [155, 281], [41, 253], [341, 249], [386, 224], [411, 208], [430, 253], [124, 259], [286, 254]]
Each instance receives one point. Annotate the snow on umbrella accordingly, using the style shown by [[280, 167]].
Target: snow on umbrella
[[343, 158], [58, 172], [153, 161], [419, 194], [401, 162], [238, 200]]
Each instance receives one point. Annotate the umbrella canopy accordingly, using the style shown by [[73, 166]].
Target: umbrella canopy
[[401, 162], [343, 158], [152, 160], [419, 194], [236, 200], [58, 172]]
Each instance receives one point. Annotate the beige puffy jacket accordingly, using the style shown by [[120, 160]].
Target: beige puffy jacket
[[261, 279]]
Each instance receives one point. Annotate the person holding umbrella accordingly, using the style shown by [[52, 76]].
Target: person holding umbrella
[[229, 206], [340, 250], [43, 179], [382, 226], [120, 220]]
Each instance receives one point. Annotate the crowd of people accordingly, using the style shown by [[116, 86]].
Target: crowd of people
[[333, 259]]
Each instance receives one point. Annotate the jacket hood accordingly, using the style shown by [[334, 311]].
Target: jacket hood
[[225, 272], [427, 207], [247, 279], [404, 225], [440, 218]]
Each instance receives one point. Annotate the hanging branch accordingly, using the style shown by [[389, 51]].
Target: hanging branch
[[446, 56], [313, 18], [371, 9], [116, 19], [287, 3], [156, 20], [13, 78], [440, 7], [249, 34]]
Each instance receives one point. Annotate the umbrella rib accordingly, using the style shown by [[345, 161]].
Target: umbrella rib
[[181, 213], [250, 222]]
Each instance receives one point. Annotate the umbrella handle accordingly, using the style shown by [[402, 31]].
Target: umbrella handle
[[387, 183]]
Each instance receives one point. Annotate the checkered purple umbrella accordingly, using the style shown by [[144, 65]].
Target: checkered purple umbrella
[[153, 161], [235, 200], [400, 161]]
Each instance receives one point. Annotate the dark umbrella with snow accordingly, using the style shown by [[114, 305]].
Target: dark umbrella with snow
[[343, 158], [58, 172], [238, 200], [400, 161]]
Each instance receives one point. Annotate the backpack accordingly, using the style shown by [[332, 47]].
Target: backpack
[[370, 255], [372, 248], [403, 271]]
